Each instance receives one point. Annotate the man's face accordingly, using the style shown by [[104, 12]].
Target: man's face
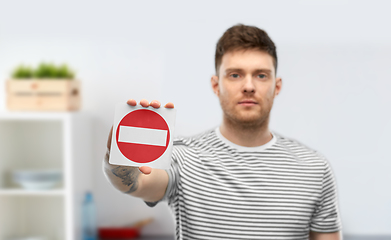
[[246, 87]]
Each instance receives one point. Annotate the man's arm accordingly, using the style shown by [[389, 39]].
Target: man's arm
[[143, 182], [325, 236], [326, 222]]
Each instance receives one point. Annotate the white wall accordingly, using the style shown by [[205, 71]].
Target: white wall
[[334, 58]]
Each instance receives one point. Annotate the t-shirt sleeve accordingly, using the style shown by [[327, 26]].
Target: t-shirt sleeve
[[172, 181], [327, 216]]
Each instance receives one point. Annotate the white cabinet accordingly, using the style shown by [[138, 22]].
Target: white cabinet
[[44, 141]]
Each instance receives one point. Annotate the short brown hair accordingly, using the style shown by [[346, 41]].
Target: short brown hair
[[242, 37]]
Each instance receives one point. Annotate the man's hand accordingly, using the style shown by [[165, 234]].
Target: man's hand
[[129, 179]]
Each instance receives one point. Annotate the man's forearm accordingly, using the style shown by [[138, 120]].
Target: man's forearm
[[325, 236], [131, 181], [124, 178]]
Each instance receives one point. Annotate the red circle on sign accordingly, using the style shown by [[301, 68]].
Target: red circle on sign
[[142, 153]]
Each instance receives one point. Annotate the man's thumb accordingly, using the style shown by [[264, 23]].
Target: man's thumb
[[145, 169]]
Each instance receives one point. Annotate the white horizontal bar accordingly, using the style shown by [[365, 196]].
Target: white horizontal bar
[[146, 136]]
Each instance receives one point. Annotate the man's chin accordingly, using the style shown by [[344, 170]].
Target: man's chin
[[250, 124], [251, 121]]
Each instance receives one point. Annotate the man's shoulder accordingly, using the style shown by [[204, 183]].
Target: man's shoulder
[[203, 137], [185, 148], [289, 141], [299, 148]]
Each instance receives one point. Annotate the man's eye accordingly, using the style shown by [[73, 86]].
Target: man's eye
[[262, 76], [235, 75]]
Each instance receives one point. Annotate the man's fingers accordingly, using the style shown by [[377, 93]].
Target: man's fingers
[[132, 102], [155, 104], [169, 105], [144, 103], [145, 169]]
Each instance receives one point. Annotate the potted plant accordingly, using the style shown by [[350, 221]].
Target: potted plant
[[46, 88]]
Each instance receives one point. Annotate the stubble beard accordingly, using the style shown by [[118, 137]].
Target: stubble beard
[[247, 124], [235, 119]]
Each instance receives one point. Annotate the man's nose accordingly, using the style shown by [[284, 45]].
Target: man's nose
[[248, 85]]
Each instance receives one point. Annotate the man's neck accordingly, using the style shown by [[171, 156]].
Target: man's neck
[[246, 136]]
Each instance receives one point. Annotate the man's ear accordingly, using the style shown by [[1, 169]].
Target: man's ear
[[278, 86], [214, 81]]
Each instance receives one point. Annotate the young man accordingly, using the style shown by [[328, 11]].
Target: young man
[[240, 180]]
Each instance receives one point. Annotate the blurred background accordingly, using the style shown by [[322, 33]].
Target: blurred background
[[334, 60]]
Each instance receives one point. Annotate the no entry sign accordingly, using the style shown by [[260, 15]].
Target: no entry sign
[[142, 136]]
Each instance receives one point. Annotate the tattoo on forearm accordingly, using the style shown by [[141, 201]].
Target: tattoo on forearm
[[128, 175]]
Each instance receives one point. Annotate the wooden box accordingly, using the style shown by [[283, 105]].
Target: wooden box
[[43, 95]]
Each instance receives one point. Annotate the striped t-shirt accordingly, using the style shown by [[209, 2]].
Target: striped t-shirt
[[220, 190]]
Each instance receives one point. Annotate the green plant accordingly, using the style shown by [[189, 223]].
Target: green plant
[[64, 72], [44, 71], [22, 72]]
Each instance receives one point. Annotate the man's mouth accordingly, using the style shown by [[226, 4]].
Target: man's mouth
[[247, 103]]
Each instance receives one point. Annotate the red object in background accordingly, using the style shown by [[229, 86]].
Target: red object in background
[[129, 232]]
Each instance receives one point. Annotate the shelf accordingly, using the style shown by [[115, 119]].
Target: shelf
[[24, 192], [35, 115], [44, 140], [32, 216]]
